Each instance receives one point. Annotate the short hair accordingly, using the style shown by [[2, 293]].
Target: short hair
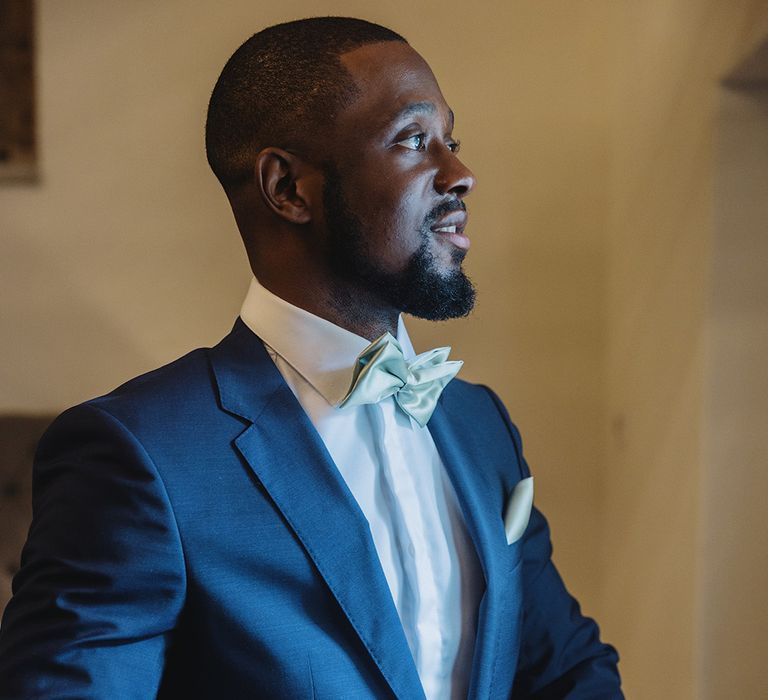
[[277, 83]]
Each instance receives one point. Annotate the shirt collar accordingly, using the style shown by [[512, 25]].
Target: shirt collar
[[320, 351]]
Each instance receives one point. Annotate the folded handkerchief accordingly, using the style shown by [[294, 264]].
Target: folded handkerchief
[[518, 510]]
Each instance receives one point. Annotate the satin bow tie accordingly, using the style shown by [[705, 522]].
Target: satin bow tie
[[381, 371]]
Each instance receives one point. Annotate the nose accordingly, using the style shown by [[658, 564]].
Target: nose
[[453, 177]]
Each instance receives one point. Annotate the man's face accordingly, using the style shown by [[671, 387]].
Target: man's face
[[393, 187]]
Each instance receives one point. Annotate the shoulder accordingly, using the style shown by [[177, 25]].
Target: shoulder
[[182, 392], [147, 402], [181, 385]]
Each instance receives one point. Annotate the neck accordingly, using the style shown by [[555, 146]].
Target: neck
[[353, 309], [290, 271]]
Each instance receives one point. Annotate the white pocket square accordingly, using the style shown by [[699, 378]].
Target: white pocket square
[[518, 510]]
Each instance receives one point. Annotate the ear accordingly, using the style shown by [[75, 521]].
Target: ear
[[286, 183]]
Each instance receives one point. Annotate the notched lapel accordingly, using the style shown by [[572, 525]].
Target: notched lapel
[[289, 459]]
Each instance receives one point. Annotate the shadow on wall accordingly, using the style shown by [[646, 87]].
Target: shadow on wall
[[18, 440]]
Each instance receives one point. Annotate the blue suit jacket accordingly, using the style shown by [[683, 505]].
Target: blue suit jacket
[[192, 538]]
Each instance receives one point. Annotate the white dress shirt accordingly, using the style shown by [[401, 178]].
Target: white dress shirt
[[393, 469]]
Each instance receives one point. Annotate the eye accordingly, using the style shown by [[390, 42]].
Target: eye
[[416, 142], [454, 146]]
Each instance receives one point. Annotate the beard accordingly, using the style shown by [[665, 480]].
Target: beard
[[420, 288]]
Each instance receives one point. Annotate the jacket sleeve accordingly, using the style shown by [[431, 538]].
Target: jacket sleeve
[[102, 575], [561, 655]]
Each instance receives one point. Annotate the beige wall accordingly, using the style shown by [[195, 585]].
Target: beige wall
[[671, 55], [732, 634], [589, 124]]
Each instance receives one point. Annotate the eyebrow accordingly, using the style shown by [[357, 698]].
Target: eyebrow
[[420, 108]]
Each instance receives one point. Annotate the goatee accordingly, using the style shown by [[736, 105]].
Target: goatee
[[419, 289]]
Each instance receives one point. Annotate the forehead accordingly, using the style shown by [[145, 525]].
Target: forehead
[[391, 77]]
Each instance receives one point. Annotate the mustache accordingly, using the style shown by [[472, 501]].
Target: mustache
[[444, 208]]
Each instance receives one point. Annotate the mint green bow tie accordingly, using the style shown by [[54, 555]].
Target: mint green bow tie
[[382, 371]]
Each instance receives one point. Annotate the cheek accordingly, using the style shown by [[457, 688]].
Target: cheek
[[397, 229], [392, 210]]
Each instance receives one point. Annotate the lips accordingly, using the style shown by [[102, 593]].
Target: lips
[[455, 222], [452, 226]]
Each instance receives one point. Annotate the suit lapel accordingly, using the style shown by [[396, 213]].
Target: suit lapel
[[478, 494], [288, 457]]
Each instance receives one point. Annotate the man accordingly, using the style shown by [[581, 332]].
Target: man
[[294, 512]]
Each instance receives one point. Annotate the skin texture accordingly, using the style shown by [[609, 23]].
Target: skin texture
[[392, 151]]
